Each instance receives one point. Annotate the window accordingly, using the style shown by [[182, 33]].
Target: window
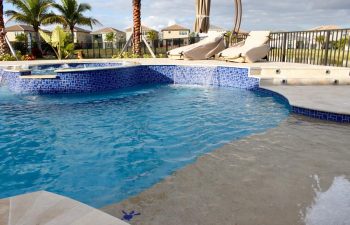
[[183, 33]]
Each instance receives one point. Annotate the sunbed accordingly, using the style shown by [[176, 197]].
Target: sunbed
[[253, 49], [204, 49]]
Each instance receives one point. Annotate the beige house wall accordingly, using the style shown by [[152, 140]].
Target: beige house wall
[[12, 35], [175, 34], [129, 33]]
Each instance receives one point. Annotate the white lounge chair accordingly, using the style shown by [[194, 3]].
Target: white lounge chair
[[204, 49], [253, 49]]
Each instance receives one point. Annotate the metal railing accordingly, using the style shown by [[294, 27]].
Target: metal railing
[[323, 47], [110, 49]]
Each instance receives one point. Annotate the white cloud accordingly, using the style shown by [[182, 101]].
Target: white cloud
[[257, 14]]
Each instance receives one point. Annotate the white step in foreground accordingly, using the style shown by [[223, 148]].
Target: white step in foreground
[[45, 208]]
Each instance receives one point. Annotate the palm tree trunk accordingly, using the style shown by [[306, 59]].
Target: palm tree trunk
[[72, 33], [4, 48], [137, 27], [37, 39]]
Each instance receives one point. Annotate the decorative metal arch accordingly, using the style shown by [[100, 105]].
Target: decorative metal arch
[[238, 17]]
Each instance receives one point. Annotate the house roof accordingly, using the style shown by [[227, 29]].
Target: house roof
[[175, 27], [326, 27], [143, 28], [23, 28], [19, 27], [78, 29], [107, 30]]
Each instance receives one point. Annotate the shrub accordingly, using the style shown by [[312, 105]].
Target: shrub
[[7, 57]]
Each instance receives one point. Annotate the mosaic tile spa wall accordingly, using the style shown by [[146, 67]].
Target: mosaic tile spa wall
[[111, 79]]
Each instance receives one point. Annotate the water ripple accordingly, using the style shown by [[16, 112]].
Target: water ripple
[[102, 148]]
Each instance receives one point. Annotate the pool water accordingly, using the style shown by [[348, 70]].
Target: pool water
[[103, 148]]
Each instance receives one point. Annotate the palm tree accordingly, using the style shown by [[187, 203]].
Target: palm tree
[[152, 36], [4, 48], [72, 14], [32, 12], [136, 47]]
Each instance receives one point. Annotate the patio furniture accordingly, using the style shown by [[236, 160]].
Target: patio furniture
[[204, 49], [253, 49]]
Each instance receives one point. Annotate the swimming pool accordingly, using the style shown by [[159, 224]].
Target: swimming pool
[[105, 147]]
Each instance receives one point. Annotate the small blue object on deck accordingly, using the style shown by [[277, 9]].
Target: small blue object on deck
[[130, 216]]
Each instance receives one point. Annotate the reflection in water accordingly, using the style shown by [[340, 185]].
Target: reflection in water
[[331, 207]]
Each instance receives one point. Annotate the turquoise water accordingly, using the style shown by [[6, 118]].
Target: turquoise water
[[103, 148]]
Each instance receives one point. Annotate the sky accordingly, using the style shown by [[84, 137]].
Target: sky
[[275, 15]]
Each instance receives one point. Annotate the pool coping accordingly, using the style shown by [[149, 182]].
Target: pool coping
[[43, 207], [312, 112]]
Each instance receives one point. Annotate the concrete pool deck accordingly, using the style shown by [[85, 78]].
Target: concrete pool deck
[[297, 173], [323, 98]]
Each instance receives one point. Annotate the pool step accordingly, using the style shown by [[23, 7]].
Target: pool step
[[47, 208], [303, 81], [306, 72], [39, 77], [305, 76]]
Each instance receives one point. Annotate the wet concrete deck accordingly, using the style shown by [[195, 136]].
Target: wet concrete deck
[[334, 99], [274, 178]]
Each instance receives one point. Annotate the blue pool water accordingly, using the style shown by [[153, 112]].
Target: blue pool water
[[103, 148]]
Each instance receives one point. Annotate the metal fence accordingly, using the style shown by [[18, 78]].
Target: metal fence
[[323, 47], [110, 49]]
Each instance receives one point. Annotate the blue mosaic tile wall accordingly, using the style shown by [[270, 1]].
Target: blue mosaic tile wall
[[335, 117], [329, 116], [213, 76], [111, 79]]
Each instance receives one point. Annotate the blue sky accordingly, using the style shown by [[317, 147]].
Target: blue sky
[[257, 14]]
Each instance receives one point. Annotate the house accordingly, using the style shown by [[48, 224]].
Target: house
[[176, 32], [101, 37], [325, 27], [213, 30], [81, 35], [18, 29], [15, 30], [144, 31]]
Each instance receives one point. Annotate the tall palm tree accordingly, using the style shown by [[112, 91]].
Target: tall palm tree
[[32, 12], [72, 14], [4, 48], [136, 47]]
